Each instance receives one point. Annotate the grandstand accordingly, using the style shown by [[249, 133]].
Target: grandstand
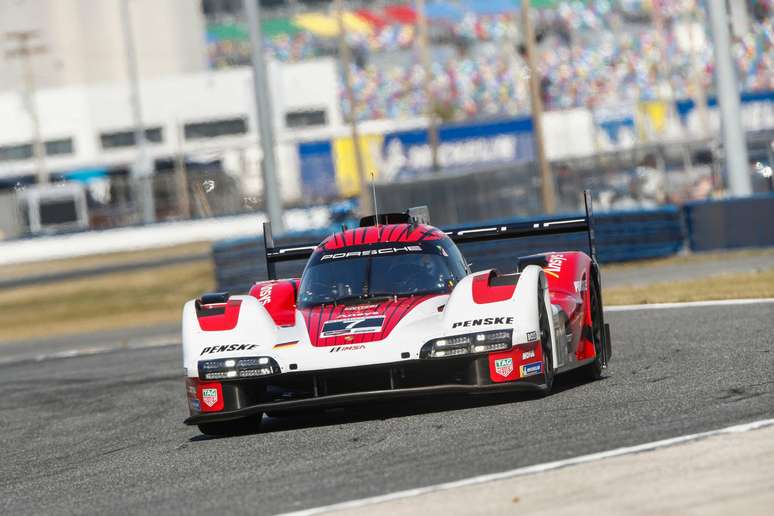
[[591, 53]]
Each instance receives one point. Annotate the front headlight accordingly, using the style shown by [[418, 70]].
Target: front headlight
[[232, 368], [481, 342]]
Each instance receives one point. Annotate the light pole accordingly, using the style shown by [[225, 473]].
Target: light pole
[[24, 51], [728, 98], [546, 177], [142, 169], [424, 52], [366, 204], [271, 194]]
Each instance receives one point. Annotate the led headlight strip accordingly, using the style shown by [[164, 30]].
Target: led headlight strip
[[233, 368], [471, 343]]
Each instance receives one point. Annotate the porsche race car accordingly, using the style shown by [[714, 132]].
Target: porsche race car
[[391, 309]]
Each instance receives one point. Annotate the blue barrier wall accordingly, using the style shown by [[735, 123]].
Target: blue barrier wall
[[730, 223], [620, 236]]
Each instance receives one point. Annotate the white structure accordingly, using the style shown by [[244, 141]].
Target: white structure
[[203, 113], [83, 40]]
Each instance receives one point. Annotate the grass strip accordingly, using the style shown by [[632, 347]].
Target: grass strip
[[753, 284], [141, 298]]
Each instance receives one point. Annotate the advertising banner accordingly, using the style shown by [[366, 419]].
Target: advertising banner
[[757, 112], [346, 166], [407, 154], [318, 176]]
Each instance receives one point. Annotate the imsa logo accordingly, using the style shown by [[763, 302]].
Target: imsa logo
[[355, 347]]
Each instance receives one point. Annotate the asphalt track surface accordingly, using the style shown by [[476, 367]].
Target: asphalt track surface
[[103, 433]]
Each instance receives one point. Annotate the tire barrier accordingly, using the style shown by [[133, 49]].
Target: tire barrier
[[730, 223]]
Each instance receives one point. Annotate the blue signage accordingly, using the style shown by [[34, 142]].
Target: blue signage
[[318, 176], [407, 154]]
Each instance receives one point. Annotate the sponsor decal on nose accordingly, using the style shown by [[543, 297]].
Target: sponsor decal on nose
[[354, 347], [504, 366], [210, 396], [531, 369], [486, 321], [229, 347], [340, 327], [554, 266]]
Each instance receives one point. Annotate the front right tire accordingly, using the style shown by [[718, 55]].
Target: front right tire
[[545, 343], [594, 370]]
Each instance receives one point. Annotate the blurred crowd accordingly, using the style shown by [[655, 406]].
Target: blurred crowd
[[590, 54]]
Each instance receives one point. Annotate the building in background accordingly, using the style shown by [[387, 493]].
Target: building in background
[[84, 43], [600, 61]]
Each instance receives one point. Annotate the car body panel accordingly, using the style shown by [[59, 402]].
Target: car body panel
[[388, 334]]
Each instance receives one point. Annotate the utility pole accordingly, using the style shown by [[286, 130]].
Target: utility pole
[[366, 205], [734, 142], [546, 177], [142, 169], [25, 50], [424, 53], [271, 194]]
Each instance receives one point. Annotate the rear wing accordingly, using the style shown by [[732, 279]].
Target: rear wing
[[585, 224]]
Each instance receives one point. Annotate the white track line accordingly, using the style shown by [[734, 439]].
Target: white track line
[[154, 342], [689, 304], [537, 468]]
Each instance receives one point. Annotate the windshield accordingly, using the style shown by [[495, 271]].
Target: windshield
[[383, 271]]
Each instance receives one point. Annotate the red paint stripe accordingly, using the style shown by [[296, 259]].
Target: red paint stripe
[[369, 236], [415, 235]]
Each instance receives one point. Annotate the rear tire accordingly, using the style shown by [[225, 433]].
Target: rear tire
[[242, 426], [594, 370], [545, 343]]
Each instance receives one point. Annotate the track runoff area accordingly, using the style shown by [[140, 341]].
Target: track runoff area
[[687, 405]]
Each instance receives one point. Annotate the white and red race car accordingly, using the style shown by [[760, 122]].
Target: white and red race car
[[391, 309]]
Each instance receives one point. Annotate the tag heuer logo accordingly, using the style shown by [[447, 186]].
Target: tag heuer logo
[[210, 396], [504, 366]]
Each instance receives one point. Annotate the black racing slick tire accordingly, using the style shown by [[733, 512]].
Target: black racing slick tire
[[594, 370], [242, 426], [545, 343]]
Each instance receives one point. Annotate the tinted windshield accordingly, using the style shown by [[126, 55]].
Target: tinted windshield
[[391, 270]]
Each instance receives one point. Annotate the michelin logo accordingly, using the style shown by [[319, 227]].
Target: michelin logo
[[530, 369]]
